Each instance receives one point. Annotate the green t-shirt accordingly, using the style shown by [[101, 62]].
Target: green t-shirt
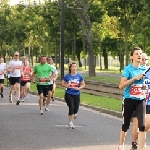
[[43, 73]]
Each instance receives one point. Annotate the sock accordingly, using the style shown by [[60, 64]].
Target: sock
[[134, 143], [70, 122]]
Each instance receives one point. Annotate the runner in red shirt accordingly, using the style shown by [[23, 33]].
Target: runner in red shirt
[[25, 80]]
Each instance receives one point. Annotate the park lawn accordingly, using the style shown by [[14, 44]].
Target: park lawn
[[100, 101]]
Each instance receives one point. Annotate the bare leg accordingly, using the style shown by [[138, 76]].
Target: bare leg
[[141, 140], [135, 129], [41, 101]]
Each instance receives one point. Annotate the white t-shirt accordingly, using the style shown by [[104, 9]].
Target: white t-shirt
[[16, 65], [55, 71], [2, 69]]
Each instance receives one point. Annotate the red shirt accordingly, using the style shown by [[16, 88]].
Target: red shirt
[[26, 74]]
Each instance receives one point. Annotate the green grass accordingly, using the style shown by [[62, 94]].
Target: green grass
[[100, 101]]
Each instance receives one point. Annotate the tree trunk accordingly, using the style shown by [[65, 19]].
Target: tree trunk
[[84, 54], [32, 55], [88, 38], [78, 57], [105, 58], [74, 45], [100, 55], [126, 45]]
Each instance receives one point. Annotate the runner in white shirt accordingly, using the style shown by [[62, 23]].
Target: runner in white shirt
[[53, 82], [2, 72], [15, 68], [51, 86]]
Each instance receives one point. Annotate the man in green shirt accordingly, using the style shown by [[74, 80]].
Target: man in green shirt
[[43, 78]]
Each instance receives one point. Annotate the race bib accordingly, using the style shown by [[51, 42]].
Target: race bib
[[43, 80], [73, 84], [136, 91], [26, 77], [17, 67]]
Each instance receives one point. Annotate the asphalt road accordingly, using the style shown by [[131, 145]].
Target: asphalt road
[[23, 128]]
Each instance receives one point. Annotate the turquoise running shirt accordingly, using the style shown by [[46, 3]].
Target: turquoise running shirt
[[134, 90]]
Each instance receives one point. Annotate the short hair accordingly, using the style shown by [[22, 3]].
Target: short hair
[[134, 49], [49, 57]]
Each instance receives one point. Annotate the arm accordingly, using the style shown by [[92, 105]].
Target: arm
[[10, 70], [65, 84], [82, 85], [31, 71], [52, 76], [125, 82], [21, 71], [56, 76], [33, 76]]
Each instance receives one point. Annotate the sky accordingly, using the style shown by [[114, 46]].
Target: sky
[[13, 2]]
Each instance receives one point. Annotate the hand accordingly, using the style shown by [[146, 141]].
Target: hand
[[12, 70], [68, 84], [141, 76], [145, 87]]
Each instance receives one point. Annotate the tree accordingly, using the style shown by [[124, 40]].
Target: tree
[[127, 12]]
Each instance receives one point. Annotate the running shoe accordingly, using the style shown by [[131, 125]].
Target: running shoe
[[120, 147], [2, 95], [22, 99], [41, 112], [134, 146], [17, 103], [10, 99], [27, 95], [75, 116], [71, 126], [46, 109]]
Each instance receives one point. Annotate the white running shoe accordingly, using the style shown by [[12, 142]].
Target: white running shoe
[[71, 126], [46, 109], [27, 95], [41, 112], [75, 116], [22, 99], [120, 147]]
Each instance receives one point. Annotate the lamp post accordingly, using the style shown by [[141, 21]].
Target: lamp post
[[62, 46]]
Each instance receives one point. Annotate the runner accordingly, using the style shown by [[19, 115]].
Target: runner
[[50, 91], [2, 72], [8, 76], [53, 82], [15, 69], [24, 58], [43, 71], [134, 97], [144, 62], [25, 80], [73, 82]]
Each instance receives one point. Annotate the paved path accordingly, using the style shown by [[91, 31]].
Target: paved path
[[23, 128]]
